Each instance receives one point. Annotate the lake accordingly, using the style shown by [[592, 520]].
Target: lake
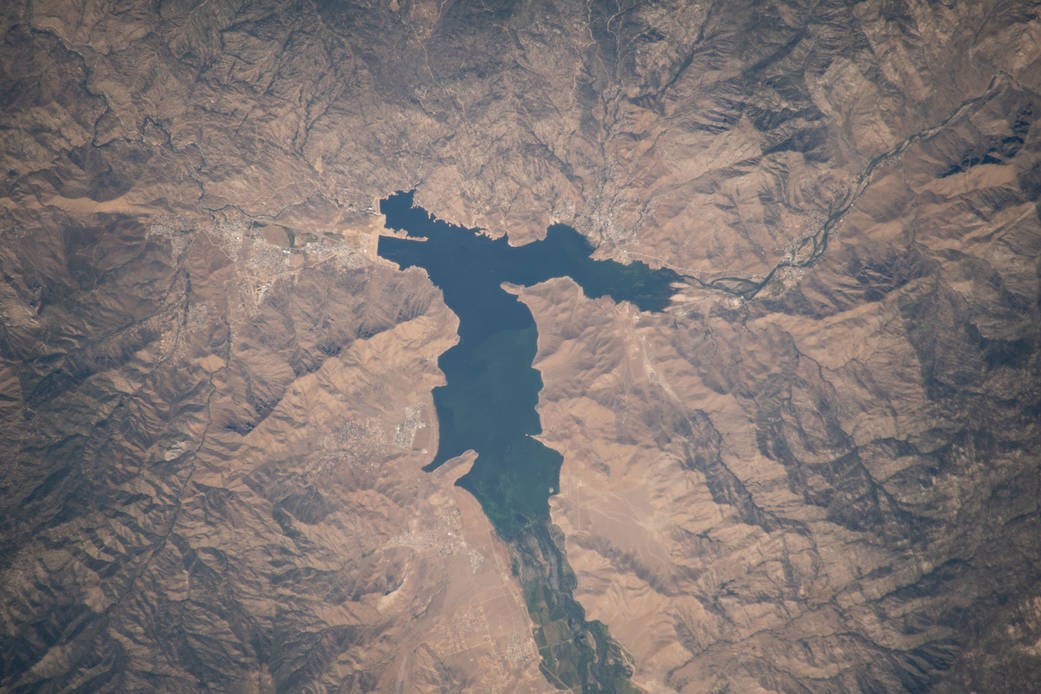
[[491, 391]]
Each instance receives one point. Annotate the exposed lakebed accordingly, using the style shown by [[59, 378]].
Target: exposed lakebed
[[488, 402]]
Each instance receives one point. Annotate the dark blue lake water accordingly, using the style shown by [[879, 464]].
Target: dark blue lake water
[[488, 402]]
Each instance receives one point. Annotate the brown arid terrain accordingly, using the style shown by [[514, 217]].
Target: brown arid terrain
[[818, 470]]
